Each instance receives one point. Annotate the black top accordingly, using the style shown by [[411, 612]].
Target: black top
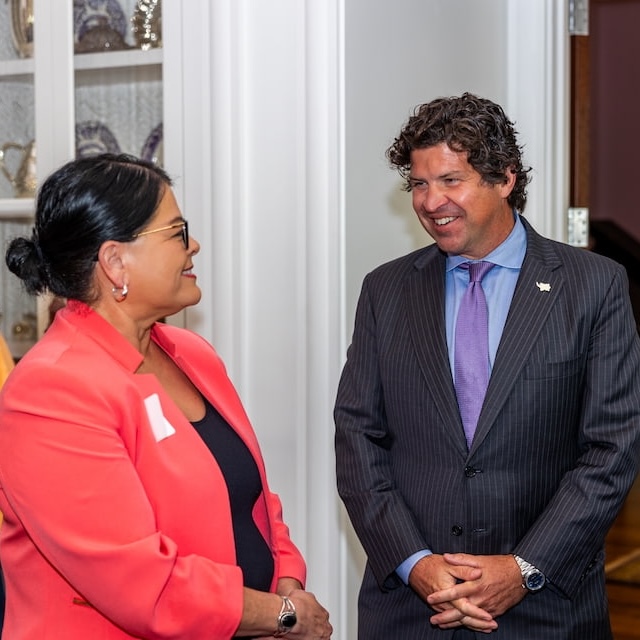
[[243, 482]]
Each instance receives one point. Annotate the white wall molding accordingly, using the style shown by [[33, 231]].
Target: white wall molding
[[261, 148], [323, 292], [291, 208], [538, 100]]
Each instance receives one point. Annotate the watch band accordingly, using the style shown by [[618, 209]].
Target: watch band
[[525, 567]]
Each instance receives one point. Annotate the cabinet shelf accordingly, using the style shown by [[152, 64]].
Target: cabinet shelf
[[16, 208], [12, 68], [117, 59]]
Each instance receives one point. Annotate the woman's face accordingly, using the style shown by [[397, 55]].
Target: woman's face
[[160, 274]]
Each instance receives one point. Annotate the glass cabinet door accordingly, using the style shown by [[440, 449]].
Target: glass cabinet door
[[118, 77], [77, 78], [17, 164]]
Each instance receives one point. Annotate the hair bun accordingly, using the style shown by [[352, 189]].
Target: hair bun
[[24, 259]]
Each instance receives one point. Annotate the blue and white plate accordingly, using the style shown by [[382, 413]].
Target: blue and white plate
[[94, 138], [89, 14]]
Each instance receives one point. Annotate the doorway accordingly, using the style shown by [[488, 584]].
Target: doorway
[[605, 132]]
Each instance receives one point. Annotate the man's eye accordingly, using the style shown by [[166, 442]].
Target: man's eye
[[417, 184]]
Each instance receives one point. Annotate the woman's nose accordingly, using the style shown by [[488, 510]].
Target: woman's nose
[[194, 245]]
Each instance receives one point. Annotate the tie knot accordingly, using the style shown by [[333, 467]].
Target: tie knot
[[478, 270]]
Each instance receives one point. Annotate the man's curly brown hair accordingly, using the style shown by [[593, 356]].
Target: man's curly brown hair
[[469, 124]]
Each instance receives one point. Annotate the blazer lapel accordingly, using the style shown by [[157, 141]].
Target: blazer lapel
[[424, 297], [537, 290], [213, 382]]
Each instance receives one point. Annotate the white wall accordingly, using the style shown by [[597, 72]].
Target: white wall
[[398, 55], [401, 54], [288, 108]]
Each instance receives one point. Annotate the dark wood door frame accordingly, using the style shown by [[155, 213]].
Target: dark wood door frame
[[580, 113], [579, 129]]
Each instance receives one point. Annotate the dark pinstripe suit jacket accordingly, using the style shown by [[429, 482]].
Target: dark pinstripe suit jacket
[[555, 451]]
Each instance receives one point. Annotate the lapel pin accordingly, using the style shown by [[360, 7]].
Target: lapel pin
[[543, 286]]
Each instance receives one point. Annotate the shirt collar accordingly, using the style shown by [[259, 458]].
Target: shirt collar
[[509, 254]]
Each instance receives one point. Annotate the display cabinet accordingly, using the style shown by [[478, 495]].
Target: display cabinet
[[77, 78]]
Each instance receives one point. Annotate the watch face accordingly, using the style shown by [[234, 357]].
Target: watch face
[[535, 581], [288, 620]]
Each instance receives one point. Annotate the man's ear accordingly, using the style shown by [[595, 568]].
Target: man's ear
[[509, 182], [111, 260]]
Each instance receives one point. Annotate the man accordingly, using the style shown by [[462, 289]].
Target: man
[[492, 522]]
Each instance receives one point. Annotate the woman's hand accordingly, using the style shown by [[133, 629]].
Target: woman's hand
[[312, 617], [261, 610]]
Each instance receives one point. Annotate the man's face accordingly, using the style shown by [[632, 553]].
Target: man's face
[[461, 213]]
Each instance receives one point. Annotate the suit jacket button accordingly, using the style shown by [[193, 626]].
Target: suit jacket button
[[470, 472], [456, 530]]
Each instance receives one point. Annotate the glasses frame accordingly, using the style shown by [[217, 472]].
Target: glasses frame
[[185, 231]]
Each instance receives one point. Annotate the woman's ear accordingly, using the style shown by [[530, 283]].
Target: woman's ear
[[111, 260]]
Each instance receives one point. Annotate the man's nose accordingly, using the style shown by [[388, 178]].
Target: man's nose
[[434, 198]]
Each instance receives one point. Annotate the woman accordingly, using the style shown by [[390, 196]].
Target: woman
[[133, 489]]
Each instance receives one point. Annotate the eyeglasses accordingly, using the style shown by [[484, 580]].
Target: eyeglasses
[[185, 231]]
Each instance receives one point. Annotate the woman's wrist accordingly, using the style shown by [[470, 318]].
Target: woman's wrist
[[287, 585], [287, 618]]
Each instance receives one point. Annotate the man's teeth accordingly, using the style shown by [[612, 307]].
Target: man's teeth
[[441, 221]]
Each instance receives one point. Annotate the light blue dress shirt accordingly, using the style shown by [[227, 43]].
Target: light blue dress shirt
[[499, 285]]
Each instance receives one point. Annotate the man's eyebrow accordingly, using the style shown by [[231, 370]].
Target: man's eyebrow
[[456, 173], [443, 176]]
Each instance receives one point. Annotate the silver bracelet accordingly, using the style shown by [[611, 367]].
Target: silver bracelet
[[286, 618]]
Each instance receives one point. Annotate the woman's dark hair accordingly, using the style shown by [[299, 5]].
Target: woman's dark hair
[[469, 124], [81, 205]]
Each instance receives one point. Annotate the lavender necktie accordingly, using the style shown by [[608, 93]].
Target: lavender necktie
[[471, 356]]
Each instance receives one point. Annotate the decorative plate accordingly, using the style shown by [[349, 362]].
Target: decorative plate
[[89, 14], [94, 138], [152, 148]]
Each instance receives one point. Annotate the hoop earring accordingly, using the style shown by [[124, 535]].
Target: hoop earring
[[120, 293]]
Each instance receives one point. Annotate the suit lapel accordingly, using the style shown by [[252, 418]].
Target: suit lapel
[[537, 290], [424, 296]]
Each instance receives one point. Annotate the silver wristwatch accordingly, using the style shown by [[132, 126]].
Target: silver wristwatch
[[532, 579]]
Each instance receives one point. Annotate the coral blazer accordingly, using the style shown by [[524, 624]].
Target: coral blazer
[[117, 517]]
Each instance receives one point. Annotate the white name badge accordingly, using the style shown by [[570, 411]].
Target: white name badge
[[160, 426]]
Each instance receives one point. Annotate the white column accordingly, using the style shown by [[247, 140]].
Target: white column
[[538, 100], [260, 147]]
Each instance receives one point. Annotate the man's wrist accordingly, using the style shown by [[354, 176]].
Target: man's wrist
[[404, 570]]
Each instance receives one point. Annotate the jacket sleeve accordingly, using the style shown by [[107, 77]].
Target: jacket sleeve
[[292, 564], [69, 481], [567, 536], [381, 518]]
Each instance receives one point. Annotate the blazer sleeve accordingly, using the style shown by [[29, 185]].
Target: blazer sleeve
[[291, 563], [380, 516], [565, 539], [70, 482]]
